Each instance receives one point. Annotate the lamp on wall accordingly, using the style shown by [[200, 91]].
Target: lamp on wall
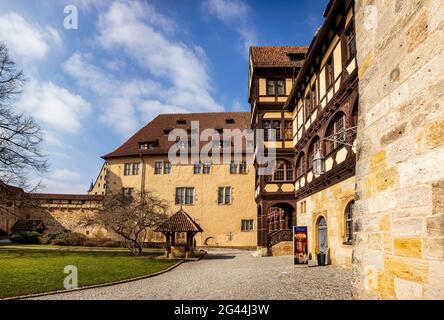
[[340, 138], [318, 163]]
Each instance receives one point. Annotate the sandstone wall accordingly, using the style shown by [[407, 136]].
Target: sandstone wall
[[399, 247], [330, 203]]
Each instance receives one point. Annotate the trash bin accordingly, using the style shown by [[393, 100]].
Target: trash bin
[[321, 258]]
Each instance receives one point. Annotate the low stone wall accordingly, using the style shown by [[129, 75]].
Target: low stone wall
[[284, 248]]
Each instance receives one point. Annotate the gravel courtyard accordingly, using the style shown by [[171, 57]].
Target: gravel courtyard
[[230, 274]]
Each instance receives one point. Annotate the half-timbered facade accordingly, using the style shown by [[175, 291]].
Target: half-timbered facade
[[272, 74], [324, 102]]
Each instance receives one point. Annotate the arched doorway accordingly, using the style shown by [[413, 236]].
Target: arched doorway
[[322, 235], [280, 217]]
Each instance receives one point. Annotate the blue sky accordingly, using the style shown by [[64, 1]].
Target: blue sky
[[91, 88]]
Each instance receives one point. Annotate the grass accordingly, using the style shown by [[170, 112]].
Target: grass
[[67, 248], [25, 271]]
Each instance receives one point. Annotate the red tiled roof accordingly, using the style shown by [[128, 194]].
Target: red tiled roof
[[278, 56], [179, 222], [154, 131]]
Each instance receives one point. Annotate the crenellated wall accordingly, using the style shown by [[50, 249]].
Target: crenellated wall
[[399, 221]]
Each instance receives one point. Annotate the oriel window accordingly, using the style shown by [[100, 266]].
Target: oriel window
[[280, 87], [271, 88]]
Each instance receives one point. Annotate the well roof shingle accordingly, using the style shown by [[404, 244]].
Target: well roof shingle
[[179, 222]]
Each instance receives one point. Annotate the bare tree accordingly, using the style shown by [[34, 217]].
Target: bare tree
[[20, 135], [130, 216]]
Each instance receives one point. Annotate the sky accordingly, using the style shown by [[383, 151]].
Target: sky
[[92, 84]]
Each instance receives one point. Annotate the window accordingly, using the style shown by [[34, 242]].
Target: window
[[276, 125], [166, 131], [135, 170], [243, 167], [271, 88], [303, 207], [329, 72], [300, 165], [280, 87], [266, 125], [315, 145], [275, 87], [335, 132], [158, 167], [146, 145], [313, 98], [233, 167], [127, 169], [246, 225], [184, 196], [181, 122], [127, 192], [349, 223], [197, 168], [229, 121], [167, 167], [288, 131], [283, 172], [350, 37], [206, 168], [224, 195]]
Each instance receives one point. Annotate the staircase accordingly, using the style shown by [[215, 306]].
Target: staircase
[[278, 236]]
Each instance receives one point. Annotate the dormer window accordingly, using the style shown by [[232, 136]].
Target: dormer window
[[146, 145], [166, 131], [220, 130], [275, 87], [229, 121], [181, 122]]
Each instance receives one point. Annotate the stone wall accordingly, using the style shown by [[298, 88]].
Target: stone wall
[[399, 221], [330, 203]]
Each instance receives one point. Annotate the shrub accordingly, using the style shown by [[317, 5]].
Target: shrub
[[28, 237], [90, 243], [58, 242], [111, 244]]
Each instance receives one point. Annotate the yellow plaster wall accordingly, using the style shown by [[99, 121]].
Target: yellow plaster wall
[[221, 223]]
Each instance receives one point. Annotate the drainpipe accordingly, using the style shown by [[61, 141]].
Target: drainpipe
[[142, 186]]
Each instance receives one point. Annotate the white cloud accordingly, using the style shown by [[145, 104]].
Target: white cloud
[[64, 175], [235, 14], [177, 79], [26, 40], [130, 26], [55, 106]]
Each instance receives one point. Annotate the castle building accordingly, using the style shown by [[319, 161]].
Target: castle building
[[218, 195], [272, 73], [324, 106]]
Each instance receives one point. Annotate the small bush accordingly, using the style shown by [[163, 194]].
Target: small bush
[[28, 237], [58, 242], [90, 243], [111, 244]]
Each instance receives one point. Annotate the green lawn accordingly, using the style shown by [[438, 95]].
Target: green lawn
[[25, 271]]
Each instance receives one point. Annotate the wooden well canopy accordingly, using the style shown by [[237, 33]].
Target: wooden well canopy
[[179, 222]]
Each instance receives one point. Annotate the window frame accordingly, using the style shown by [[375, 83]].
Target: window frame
[[247, 225], [275, 84], [185, 196], [127, 169], [286, 168], [348, 223], [158, 167], [167, 167]]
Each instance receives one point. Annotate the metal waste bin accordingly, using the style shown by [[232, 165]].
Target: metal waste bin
[[321, 258]]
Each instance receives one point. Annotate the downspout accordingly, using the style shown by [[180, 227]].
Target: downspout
[[142, 186]]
